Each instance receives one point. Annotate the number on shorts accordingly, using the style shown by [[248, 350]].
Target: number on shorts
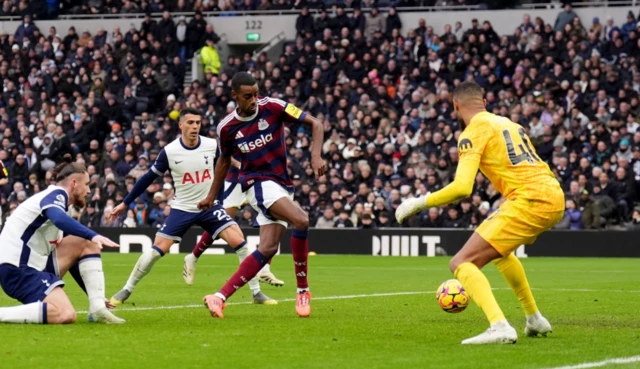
[[526, 153], [221, 215]]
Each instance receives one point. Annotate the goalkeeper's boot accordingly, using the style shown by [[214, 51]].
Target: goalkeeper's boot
[[537, 325], [500, 332]]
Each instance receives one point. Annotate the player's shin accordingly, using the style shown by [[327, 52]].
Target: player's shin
[[300, 251], [477, 284], [90, 267], [35, 312], [75, 273], [513, 272], [143, 267], [205, 242], [244, 250], [246, 271]]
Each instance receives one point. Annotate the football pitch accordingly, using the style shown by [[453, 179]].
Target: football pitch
[[367, 312]]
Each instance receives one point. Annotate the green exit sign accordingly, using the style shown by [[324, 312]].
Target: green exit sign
[[253, 37]]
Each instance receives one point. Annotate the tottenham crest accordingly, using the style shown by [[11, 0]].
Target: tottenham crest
[[206, 160], [263, 124]]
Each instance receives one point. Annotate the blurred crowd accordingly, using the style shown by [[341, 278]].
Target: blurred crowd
[[112, 98], [51, 9]]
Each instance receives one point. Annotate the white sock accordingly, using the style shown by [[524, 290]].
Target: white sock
[[243, 252], [143, 267], [93, 278], [534, 317], [500, 324], [30, 313], [302, 290]]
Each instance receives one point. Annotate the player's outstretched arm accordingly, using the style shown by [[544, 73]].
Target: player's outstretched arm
[[317, 139], [220, 173], [461, 187], [138, 189], [67, 224]]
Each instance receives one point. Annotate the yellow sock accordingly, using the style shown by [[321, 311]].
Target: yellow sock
[[475, 282], [511, 269]]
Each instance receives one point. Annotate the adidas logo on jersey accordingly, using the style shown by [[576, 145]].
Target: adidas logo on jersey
[[239, 135], [247, 147]]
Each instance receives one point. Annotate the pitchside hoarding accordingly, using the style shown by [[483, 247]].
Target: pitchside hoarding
[[400, 242]]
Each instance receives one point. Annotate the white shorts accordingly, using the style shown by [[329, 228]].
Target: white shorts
[[264, 194], [233, 195]]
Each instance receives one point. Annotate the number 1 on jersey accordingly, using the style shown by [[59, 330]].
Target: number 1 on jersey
[[526, 153]]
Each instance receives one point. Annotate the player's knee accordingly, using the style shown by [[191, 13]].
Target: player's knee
[[68, 316], [268, 249], [58, 315], [301, 222], [90, 248]]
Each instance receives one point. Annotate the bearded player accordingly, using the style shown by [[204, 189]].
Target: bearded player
[[534, 203], [233, 199], [34, 258], [254, 132]]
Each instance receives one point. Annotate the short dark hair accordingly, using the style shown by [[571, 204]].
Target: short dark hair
[[242, 79], [67, 168], [192, 111], [468, 89]]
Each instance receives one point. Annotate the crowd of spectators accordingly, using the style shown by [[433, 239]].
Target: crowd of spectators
[[383, 95], [50, 9]]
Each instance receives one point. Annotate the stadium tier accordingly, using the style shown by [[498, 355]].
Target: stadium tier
[[381, 87]]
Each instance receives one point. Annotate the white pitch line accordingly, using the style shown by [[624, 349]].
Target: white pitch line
[[338, 297], [488, 270], [343, 297], [597, 364]]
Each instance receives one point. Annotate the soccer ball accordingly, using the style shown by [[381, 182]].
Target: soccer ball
[[452, 297]]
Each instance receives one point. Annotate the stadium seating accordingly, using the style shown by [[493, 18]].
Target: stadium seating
[[384, 96]]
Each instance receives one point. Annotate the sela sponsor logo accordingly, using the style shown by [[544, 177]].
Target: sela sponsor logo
[[263, 140]]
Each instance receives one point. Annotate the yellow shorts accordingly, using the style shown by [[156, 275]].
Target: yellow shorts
[[516, 223]]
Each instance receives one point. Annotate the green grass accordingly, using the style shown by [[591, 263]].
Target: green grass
[[592, 303]]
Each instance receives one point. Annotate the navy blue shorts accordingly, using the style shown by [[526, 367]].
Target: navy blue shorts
[[214, 221], [29, 285]]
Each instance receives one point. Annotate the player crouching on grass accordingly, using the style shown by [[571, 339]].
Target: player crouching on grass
[[535, 203], [33, 259]]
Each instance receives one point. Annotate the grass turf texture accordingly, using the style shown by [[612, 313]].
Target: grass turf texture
[[592, 304]]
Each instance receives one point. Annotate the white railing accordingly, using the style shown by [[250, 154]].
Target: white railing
[[271, 43]]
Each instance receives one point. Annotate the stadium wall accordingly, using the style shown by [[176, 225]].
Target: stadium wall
[[399, 242], [237, 28]]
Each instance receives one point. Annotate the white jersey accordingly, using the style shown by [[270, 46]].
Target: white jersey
[[191, 170], [29, 237]]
